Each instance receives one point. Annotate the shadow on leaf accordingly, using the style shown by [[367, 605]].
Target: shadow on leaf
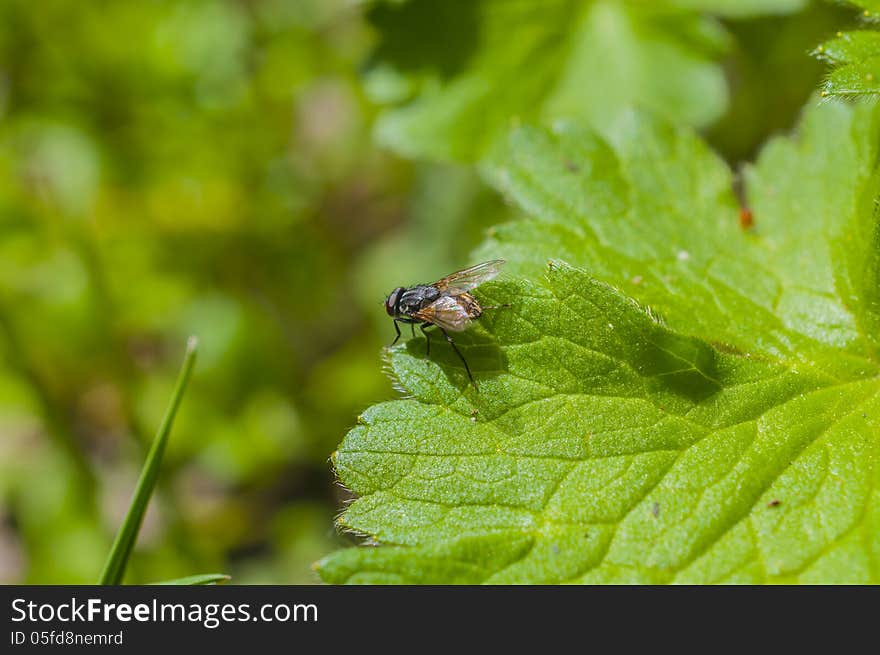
[[686, 365], [478, 347]]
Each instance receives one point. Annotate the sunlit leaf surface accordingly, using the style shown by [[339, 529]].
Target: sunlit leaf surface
[[676, 397]]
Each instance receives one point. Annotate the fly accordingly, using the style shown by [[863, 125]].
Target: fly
[[446, 304]]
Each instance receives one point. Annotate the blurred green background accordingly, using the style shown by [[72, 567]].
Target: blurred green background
[[208, 167]]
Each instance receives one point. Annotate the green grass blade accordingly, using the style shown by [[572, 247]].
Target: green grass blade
[[114, 569], [203, 578]]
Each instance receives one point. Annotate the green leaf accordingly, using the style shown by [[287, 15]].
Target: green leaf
[[854, 58], [870, 8], [114, 569], [737, 439], [669, 234], [201, 579], [455, 74]]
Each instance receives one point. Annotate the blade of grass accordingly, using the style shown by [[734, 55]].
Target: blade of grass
[[114, 569], [204, 578]]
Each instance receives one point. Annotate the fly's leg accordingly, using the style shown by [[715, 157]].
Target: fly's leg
[[412, 328], [460, 356], [396, 329], [424, 327]]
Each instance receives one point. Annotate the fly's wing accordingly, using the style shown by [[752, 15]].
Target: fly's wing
[[446, 312], [463, 281]]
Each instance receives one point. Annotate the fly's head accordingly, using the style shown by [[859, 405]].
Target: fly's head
[[392, 301]]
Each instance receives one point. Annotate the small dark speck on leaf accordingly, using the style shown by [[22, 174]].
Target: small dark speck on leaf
[[655, 509], [864, 415], [746, 218], [774, 503], [571, 166]]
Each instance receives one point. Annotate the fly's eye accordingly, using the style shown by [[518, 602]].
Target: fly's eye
[[391, 301]]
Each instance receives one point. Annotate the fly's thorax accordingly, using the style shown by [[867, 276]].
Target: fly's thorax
[[416, 298]]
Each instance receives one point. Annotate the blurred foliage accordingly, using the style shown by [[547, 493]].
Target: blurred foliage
[[455, 75], [207, 167]]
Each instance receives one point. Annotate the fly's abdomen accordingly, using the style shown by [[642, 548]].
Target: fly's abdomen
[[470, 305]]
